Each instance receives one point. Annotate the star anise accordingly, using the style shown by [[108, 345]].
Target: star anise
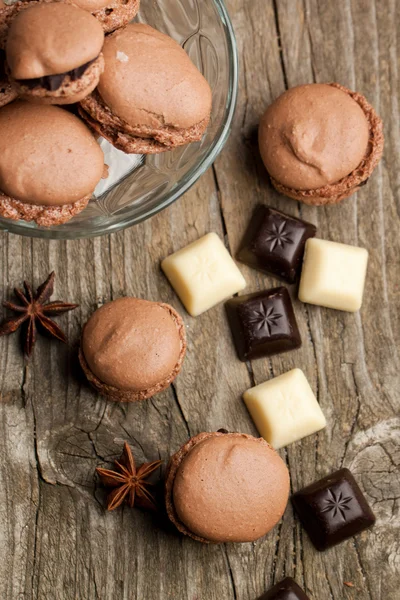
[[35, 310], [129, 482]]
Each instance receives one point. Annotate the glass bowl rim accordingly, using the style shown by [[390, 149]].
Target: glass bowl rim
[[186, 182]]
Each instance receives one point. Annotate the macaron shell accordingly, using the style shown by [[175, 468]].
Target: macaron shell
[[313, 135], [47, 155], [150, 80], [47, 39], [227, 487], [131, 344]]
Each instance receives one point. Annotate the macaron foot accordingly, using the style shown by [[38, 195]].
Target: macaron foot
[[8, 92], [117, 14], [45, 216], [140, 139]]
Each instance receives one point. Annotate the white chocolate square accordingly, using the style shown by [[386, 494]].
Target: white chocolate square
[[284, 409], [333, 275], [203, 274]]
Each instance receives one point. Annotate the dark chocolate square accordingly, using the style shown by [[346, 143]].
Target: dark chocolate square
[[274, 243], [285, 590], [263, 324], [333, 509]]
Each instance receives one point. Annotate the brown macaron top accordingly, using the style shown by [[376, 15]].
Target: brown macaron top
[[47, 155], [230, 487], [313, 135], [150, 80], [92, 5], [131, 344], [50, 39]]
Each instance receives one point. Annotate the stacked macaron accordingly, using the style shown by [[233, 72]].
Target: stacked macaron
[[54, 53], [151, 97], [137, 88], [50, 170]]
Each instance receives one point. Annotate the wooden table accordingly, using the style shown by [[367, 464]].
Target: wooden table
[[57, 542]]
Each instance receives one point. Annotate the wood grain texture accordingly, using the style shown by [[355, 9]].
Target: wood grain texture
[[56, 540]]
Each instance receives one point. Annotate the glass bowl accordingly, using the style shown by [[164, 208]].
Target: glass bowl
[[139, 186]]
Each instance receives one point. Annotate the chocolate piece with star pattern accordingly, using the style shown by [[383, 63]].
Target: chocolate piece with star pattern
[[263, 324], [333, 509], [274, 243], [285, 590]]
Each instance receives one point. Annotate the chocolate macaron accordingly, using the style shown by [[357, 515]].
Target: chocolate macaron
[[151, 97], [54, 53], [132, 349], [50, 163], [112, 14], [320, 142], [226, 487]]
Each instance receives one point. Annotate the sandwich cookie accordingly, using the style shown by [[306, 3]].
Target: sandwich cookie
[[50, 163], [112, 15], [54, 53], [151, 97], [320, 142], [226, 487], [132, 349]]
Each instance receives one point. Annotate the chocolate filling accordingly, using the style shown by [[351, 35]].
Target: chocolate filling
[[2, 65], [53, 82]]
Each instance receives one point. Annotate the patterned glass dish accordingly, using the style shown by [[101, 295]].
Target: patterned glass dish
[[140, 186]]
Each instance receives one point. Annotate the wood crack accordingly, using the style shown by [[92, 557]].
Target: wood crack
[[246, 101], [184, 419], [356, 416], [221, 210], [35, 540], [363, 572], [307, 21], [330, 588], [230, 573], [276, 550], [278, 34], [250, 371]]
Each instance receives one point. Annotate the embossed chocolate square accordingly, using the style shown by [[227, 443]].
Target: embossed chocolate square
[[333, 509], [287, 589], [263, 324], [274, 243]]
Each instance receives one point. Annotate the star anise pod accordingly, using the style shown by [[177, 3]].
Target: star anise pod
[[35, 310], [129, 482]]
